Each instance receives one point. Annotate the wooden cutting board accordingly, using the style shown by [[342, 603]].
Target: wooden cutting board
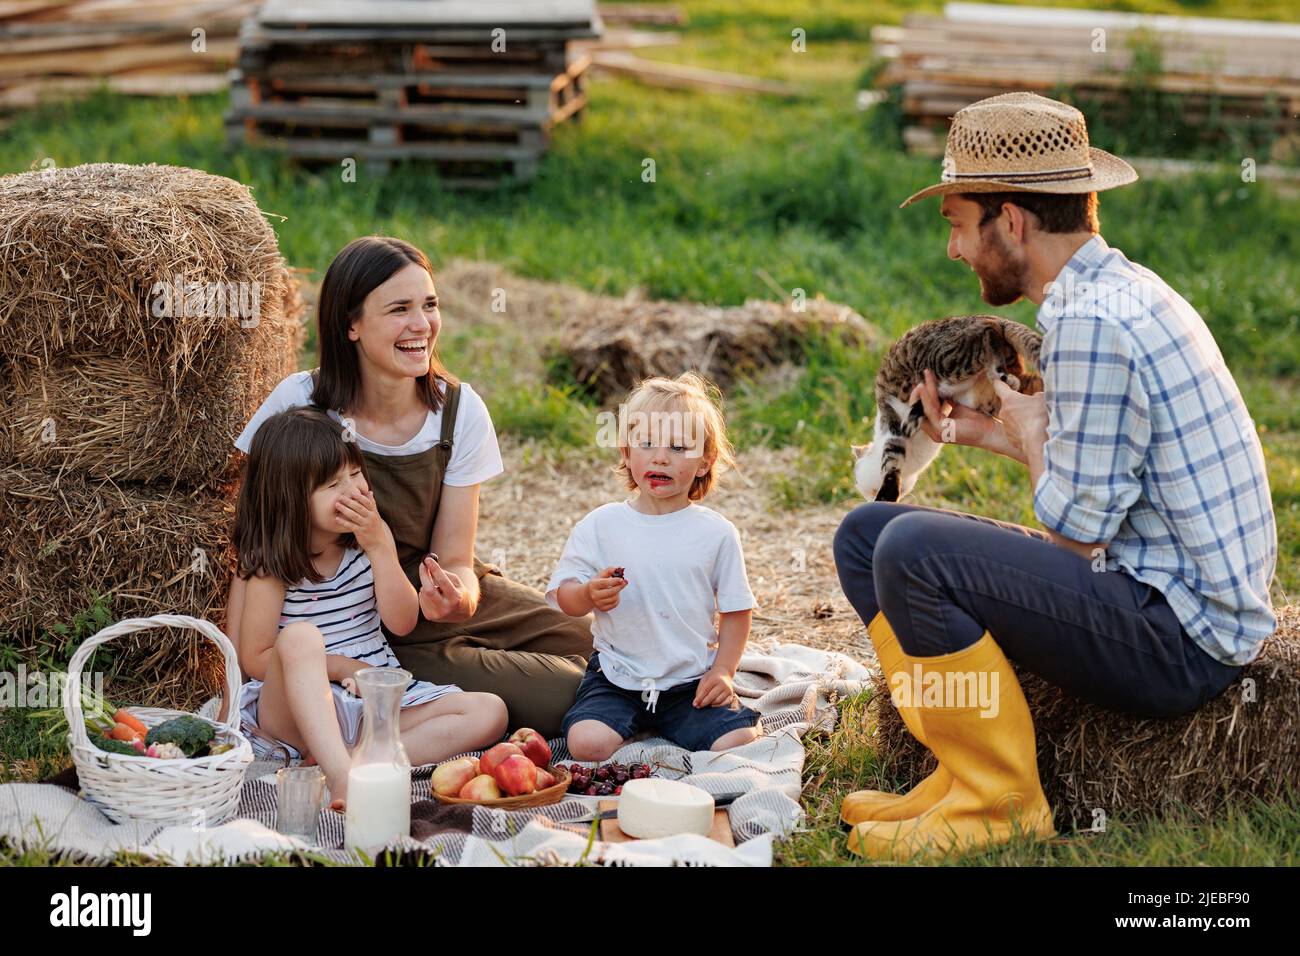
[[610, 832]]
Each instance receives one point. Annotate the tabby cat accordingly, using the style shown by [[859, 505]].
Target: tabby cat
[[967, 354]]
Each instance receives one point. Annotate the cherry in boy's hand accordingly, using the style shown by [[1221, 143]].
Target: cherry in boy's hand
[[604, 588]]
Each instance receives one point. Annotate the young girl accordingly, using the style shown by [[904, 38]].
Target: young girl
[[324, 574], [654, 568]]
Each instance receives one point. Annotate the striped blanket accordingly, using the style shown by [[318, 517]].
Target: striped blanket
[[795, 688]]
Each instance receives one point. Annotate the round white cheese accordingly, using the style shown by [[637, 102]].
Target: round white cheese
[[657, 808]]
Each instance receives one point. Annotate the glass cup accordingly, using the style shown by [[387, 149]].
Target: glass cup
[[299, 792]]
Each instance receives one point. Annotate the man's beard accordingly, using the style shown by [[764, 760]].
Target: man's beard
[[1002, 281]]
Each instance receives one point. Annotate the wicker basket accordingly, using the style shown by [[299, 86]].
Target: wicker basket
[[192, 790], [539, 798]]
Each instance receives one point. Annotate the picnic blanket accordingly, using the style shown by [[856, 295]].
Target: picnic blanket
[[794, 688]]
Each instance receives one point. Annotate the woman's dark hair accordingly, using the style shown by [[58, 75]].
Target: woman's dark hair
[[1056, 212], [293, 453], [362, 266]]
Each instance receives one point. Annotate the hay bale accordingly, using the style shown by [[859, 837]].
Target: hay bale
[[110, 417], [620, 342], [82, 250], [63, 537], [1130, 767]]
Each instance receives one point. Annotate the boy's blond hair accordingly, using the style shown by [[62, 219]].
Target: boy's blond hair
[[692, 394]]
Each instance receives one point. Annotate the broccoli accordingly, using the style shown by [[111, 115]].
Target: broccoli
[[114, 746], [189, 733]]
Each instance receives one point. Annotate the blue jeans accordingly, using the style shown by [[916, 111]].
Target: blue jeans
[[676, 718], [943, 578]]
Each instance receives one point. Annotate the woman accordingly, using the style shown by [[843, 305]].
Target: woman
[[428, 443]]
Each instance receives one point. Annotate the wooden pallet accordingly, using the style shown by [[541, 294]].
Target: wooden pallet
[[478, 128], [412, 79]]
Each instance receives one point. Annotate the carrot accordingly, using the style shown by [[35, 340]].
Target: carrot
[[124, 716], [122, 731]]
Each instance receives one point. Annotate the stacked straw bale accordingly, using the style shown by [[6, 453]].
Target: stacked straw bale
[[145, 313], [1239, 746]]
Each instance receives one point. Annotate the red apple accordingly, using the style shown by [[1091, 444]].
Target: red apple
[[533, 745], [545, 779], [450, 778], [516, 775], [482, 787], [489, 762]]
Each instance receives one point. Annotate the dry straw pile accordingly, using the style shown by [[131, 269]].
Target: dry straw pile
[[1240, 745], [618, 342], [145, 313]]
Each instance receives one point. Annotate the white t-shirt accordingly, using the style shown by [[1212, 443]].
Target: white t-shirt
[[680, 568], [475, 455]]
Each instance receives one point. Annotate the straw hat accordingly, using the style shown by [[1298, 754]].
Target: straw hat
[[1023, 142]]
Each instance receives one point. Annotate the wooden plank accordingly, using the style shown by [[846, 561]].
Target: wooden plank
[[1043, 37], [31, 93], [1044, 16], [1043, 79], [503, 13], [450, 34], [441, 79], [1032, 42], [455, 116], [686, 77], [362, 149], [125, 57], [629, 40], [668, 15]]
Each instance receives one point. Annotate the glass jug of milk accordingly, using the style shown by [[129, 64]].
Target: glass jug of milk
[[379, 782]]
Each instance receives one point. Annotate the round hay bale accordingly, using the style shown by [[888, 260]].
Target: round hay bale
[[91, 255], [65, 537], [1240, 745], [109, 416]]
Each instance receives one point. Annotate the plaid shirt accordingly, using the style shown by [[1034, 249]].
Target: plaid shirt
[[1150, 448]]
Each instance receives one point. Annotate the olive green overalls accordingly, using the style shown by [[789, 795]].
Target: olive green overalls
[[516, 645]]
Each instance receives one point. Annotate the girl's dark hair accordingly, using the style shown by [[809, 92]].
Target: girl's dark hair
[[362, 266], [293, 453]]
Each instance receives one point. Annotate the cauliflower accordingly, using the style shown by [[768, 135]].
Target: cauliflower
[[166, 751]]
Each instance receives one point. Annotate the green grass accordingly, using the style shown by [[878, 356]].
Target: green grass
[[803, 190], [1250, 834]]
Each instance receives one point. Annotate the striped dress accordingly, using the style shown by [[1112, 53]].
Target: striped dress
[[344, 609]]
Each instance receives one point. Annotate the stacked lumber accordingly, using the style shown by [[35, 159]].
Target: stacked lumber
[[1240, 73], [134, 46], [475, 88]]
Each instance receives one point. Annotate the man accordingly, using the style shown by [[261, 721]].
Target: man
[[1149, 590]]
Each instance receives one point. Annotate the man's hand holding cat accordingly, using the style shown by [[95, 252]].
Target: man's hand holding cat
[[1024, 419], [957, 424]]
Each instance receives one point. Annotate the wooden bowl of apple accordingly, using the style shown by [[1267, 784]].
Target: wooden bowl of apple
[[514, 775]]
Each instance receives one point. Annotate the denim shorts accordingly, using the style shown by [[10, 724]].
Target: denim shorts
[[675, 717]]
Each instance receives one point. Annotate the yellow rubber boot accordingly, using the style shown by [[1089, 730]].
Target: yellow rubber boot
[[988, 747], [865, 805]]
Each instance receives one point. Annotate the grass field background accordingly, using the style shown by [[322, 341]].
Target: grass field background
[[805, 191]]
